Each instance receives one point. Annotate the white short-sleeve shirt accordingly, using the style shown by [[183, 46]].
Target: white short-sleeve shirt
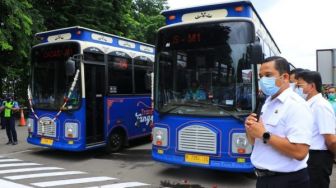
[[324, 121], [287, 116]]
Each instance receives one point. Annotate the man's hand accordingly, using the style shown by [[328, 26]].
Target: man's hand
[[254, 128]]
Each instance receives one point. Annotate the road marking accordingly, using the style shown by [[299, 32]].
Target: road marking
[[4, 183], [40, 175], [122, 185], [72, 181], [29, 169], [9, 160], [17, 164]]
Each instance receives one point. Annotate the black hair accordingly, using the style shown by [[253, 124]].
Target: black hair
[[296, 71], [281, 64], [312, 77]]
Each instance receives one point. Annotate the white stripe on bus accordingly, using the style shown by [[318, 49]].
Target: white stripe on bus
[[18, 164], [5, 184], [122, 185], [29, 170], [72, 181], [40, 175]]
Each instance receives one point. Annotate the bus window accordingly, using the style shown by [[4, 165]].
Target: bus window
[[119, 75], [142, 76]]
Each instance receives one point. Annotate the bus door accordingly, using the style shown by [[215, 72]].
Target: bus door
[[94, 91]]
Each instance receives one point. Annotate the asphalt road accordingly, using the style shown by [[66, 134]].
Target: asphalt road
[[26, 165]]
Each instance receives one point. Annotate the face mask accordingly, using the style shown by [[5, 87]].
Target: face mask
[[267, 85], [299, 91], [331, 96], [292, 85]]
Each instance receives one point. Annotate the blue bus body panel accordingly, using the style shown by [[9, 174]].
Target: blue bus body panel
[[133, 114], [224, 127], [229, 7], [60, 142]]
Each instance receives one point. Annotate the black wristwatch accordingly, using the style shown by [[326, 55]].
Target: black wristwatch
[[266, 136]]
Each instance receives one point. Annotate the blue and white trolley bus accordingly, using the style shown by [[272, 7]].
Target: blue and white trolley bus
[[89, 89], [206, 75]]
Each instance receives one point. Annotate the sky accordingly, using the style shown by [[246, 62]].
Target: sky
[[299, 27]]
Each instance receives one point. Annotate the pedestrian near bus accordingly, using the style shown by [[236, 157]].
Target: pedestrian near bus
[[282, 135], [323, 145], [9, 106]]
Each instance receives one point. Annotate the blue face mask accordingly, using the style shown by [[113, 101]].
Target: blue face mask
[[267, 85], [299, 91], [292, 85]]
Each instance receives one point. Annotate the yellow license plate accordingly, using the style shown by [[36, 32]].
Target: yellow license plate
[[47, 141], [200, 159]]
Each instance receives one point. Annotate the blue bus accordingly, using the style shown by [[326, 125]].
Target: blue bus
[[89, 89], [206, 83]]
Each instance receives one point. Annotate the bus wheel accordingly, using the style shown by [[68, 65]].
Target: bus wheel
[[115, 142]]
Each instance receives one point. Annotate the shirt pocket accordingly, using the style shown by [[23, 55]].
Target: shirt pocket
[[273, 121]]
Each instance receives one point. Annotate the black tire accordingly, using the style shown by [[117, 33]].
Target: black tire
[[115, 142]]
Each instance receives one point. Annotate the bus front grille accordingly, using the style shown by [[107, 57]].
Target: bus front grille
[[46, 127], [198, 139]]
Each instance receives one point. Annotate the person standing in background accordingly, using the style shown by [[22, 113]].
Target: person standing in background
[[323, 145], [9, 106]]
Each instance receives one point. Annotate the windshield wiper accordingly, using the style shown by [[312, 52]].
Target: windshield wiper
[[223, 108]]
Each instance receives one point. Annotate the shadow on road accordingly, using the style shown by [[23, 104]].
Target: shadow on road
[[128, 154], [189, 175]]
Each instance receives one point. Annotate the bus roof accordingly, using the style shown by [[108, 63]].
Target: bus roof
[[94, 36], [55, 31], [225, 9], [206, 6]]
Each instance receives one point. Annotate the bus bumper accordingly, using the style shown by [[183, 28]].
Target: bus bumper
[[214, 164], [68, 146]]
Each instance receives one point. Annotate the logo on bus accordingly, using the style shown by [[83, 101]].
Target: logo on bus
[[144, 116]]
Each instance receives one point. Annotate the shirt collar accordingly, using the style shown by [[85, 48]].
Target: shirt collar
[[283, 95], [314, 98]]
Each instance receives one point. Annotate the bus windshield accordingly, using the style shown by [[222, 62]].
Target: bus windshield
[[203, 69], [50, 82]]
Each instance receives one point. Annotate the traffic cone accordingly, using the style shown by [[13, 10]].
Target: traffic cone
[[22, 119]]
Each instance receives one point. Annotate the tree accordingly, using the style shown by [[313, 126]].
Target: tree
[[16, 29]]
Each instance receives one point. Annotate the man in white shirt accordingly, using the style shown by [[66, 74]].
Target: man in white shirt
[[282, 136], [323, 143]]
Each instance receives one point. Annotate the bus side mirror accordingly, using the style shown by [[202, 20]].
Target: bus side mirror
[[255, 53], [70, 66]]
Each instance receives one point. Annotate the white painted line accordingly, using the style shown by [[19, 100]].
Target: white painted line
[[40, 175], [29, 170], [72, 181], [9, 160], [5, 184], [17, 164], [122, 185]]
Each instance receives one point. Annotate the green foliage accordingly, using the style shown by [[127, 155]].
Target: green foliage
[[20, 19]]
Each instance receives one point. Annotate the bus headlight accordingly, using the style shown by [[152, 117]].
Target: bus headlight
[[71, 130], [160, 136], [240, 144], [30, 125]]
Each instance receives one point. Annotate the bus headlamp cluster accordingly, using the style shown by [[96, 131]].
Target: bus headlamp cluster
[[71, 130], [30, 125], [240, 144], [160, 136]]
